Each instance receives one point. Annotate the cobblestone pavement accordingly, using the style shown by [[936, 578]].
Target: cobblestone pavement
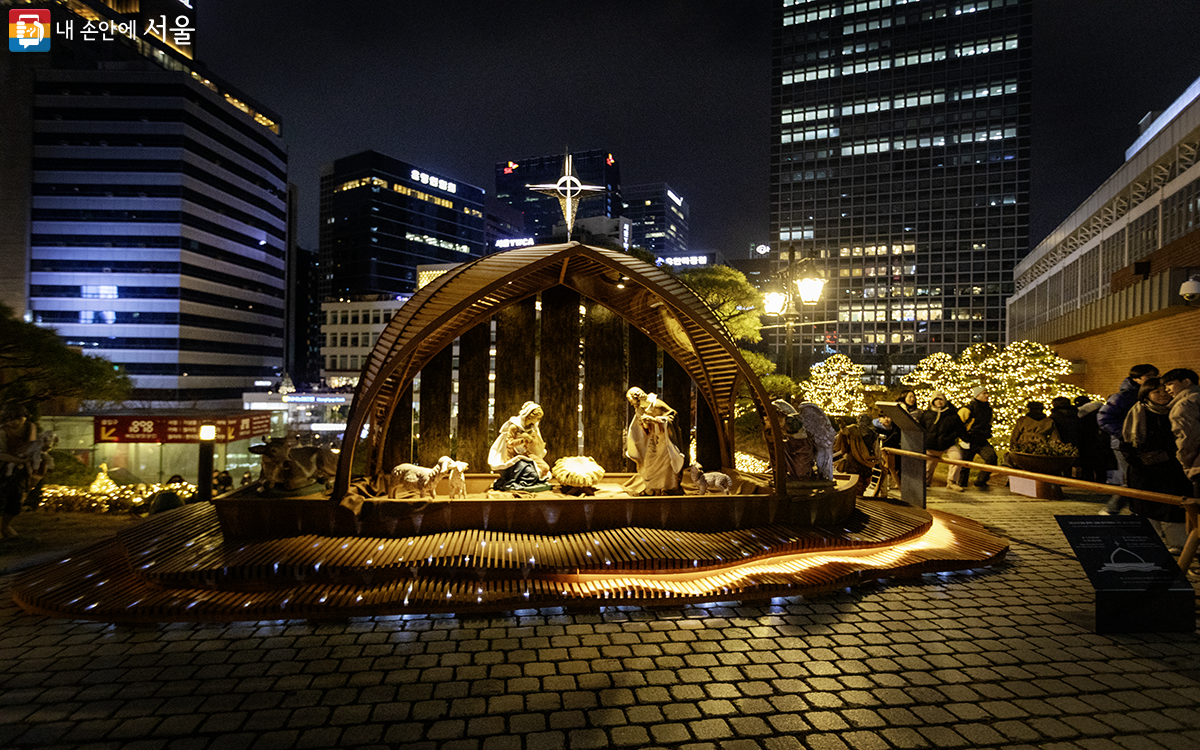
[[999, 658]]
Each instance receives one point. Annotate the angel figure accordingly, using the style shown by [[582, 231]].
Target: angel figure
[[519, 452], [648, 444], [807, 439]]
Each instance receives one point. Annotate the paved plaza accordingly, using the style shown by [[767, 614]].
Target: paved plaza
[[994, 658]]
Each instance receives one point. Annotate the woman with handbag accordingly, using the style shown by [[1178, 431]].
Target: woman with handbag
[[1153, 465]]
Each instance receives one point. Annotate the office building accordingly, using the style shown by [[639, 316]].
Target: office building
[[1105, 289], [304, 318], [542, 212], [382, 217], [349, 329], [144, 205], [659, 216], [900, 159]]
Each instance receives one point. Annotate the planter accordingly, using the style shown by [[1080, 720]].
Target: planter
[[1052, 465]]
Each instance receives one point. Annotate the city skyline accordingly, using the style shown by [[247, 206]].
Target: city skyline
[[681, 97]]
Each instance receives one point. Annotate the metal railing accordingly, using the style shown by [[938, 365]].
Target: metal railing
[[1190, 505]]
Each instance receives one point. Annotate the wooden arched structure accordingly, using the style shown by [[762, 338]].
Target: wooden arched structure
[[655, 302]]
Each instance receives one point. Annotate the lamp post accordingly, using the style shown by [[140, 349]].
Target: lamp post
[[208, 434], [802, 281]]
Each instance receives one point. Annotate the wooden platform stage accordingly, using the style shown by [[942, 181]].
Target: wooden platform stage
[[180, 567]]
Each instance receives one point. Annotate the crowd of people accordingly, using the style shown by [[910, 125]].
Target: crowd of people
[[1145, 436], [1153, 426]]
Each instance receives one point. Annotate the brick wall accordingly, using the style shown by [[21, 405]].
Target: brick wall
[[1165, 342]]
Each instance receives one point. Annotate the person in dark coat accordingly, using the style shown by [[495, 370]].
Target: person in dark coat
[[977, 426], [1095, 454], [889, 437], [1153, 463], [1066, 420], [942, 427], [1112, 420], [908, 402]]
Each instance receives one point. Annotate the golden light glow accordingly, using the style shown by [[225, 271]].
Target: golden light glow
[[775, 303], [706, 583], [810, 289], [208, 432]]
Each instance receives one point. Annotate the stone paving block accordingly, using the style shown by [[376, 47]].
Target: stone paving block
[[1138, 743], [669, 734], [323, 737], [568, 720], [1054, 728], [825, 742], [681, 712]]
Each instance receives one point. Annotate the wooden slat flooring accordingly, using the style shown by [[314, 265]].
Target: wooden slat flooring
[[177, 567]]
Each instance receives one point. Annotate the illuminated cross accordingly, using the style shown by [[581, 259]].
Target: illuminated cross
[[569, 191]]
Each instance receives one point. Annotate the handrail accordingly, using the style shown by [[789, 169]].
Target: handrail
[[1190, 505], [1107, 489]]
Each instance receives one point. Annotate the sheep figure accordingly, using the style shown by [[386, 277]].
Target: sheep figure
[[713, 480], [458, 480], [413, 478]]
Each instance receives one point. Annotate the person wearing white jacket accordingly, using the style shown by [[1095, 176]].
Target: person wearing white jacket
[[1184, 387]]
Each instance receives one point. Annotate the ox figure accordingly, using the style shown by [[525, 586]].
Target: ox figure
[[288, 467]]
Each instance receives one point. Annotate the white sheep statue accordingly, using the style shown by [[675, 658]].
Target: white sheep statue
[[418, 479], [712, 480], [458, 480]]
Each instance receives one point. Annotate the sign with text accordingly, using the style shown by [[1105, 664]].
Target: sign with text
[[1139, 586], [164, 429]]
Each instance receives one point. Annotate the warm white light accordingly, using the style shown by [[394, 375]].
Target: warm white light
[[775, 302], [810, 289], [208, 432]]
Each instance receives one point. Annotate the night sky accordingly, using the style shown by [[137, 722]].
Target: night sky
[[678, 91]]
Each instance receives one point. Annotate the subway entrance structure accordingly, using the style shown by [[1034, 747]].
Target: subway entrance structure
[[354, 551]]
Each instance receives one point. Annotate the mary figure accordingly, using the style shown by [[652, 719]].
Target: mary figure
[[519, 453]]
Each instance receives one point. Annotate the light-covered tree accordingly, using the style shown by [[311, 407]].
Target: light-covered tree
[[835, 385], [1014, 375]]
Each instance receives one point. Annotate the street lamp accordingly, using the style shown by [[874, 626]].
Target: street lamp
[[208, 434], [801, 281]]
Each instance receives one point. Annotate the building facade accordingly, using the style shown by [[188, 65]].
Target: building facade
[[1104, 288], [349, 330], [144, 208], [900, 160], [542, 212], [659, 216], [382, 217]]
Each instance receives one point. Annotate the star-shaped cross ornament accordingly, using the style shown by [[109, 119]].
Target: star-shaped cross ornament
[[569, 191]]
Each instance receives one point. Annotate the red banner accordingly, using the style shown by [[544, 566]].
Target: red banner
[[160, 429]]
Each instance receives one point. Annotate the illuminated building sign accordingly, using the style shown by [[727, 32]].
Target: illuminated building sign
[[610, 161], [437, 182], [687, 260], [160, 429], [504, 244], [297, 399], [508, 168], [676, 198]]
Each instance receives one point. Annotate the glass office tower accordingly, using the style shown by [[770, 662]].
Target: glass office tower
[[900, 159], [382, 217], [659, 216], [143, 208], [542, 212]]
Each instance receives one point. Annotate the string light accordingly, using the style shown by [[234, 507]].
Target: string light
[[1013, 375], [104, 495], [835, 385]]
